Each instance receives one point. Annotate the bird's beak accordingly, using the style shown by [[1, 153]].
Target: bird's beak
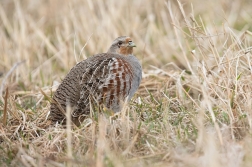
[[131, 44]]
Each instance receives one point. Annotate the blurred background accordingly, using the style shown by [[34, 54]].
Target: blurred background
[[49, 37]]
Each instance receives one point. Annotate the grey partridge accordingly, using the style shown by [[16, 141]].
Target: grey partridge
[[103, 79]]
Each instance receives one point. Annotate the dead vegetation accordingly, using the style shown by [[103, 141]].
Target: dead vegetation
[[193, 107]]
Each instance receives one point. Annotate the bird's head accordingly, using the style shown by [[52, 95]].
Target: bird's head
[[122, 45]]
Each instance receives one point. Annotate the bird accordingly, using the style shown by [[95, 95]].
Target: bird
[[106, 79]]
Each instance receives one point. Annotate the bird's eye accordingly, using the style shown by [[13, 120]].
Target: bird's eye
[[119, 43]]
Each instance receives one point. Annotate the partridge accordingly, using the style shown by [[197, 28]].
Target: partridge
[[106, 79]]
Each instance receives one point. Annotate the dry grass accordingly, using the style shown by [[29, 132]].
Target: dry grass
[[194, 105]]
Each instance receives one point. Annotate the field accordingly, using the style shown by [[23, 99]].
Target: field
[[193, 107]]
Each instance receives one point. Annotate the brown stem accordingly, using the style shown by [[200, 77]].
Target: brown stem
[[5, 107]]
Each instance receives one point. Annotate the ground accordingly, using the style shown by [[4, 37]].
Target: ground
[[193, 107]]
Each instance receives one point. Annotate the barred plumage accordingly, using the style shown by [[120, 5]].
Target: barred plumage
[[107, 78]]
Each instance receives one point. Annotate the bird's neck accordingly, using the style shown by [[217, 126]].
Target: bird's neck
[[126, 51]]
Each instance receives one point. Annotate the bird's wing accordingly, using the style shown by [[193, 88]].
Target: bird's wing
[[106, 80]]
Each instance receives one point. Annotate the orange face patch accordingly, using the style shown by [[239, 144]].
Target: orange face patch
[[125, 50], [127, 40]]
